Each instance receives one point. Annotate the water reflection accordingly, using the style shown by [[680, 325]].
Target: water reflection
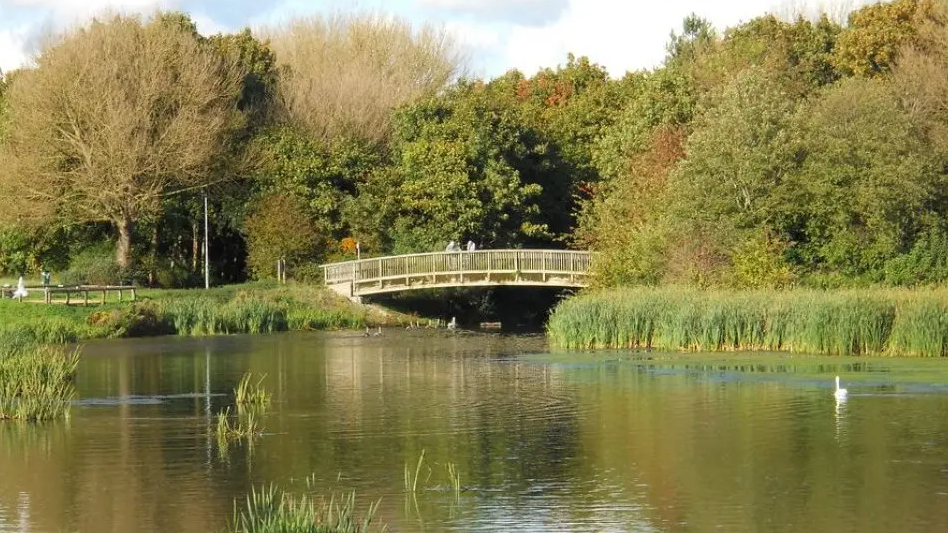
[[840, 413], [581, 445]]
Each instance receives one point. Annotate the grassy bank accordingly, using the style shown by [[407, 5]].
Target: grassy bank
[[898, 322], [35, 381], [247, 308]]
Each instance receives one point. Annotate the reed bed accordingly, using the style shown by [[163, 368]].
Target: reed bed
[[891, 322], [274, 511], [200, 317], [36, 382]]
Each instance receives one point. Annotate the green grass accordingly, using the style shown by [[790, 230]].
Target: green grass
[[274, 511], [898, 322], [36, 382], [246, 308]]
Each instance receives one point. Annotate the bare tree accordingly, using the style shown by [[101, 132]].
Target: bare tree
[[344, 73], [113, 116]]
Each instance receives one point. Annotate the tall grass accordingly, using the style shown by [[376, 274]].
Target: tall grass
[[274, 511], [857, 322], [265, 313], [36, 382]]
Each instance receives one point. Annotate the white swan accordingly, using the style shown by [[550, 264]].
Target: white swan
[[840, 393], [20, 291]]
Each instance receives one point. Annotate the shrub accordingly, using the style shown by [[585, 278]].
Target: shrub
[[94, 265]]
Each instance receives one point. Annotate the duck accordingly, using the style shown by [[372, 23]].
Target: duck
[[840, 393]]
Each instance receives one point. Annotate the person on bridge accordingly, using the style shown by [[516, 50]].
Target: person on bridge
[[471, 246], [453, 247]]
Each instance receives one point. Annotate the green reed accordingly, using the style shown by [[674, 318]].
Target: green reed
[[250, 393], [854, 322], [411, 479], [200, 317], [271, 510], [36, 381]]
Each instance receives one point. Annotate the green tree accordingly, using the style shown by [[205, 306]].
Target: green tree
[[455, 176], [279, 228], [866, 183], [798, 54], [322, 176], [870, 44], [739, 156]]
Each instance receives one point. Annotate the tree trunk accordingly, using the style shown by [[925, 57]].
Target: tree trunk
[[123, 248]]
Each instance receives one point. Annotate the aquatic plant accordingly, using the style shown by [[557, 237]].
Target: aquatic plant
[[271, 510], [854, 322], [411, 479], [245, 426], [249, 394], [36, 381]]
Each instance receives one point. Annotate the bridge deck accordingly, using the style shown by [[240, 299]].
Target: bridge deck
[[553, 268]]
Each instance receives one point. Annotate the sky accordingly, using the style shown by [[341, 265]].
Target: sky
[[499, 35]]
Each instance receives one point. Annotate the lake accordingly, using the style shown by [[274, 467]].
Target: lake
[[608, 441]]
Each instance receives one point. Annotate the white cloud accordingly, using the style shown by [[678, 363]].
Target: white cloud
[[481, 5], [478, 36], [12, 48]]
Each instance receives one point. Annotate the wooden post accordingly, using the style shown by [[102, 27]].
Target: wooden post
[[133, 294], [517, 265], [120, 294], [543, 264], [67, 296], [85, 300], [103, 295]]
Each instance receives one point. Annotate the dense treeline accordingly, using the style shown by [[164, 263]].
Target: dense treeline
[[775, 153]]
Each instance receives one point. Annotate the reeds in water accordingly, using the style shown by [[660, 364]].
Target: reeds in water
[[36, 382], [866, 322], [249, 394], [200, 317], [274, 511]]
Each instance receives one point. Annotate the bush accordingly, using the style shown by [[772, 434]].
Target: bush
[[93, 266], [177, 277], [138, 320]]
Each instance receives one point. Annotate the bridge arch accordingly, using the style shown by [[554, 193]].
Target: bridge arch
[[379, 275]]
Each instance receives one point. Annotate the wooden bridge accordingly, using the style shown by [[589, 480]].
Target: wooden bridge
[[539, 268]]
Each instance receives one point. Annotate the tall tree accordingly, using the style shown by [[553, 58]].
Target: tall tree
[[114, 115], [346, 73], [870, 44]]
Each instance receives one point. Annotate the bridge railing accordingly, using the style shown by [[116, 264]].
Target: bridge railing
[[555, 262]]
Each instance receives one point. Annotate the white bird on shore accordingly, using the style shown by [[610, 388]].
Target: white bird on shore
[[378, 332], [20, 291], [840, 393], [453, 323]]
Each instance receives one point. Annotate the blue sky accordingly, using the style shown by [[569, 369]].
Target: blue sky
[[499, 34]]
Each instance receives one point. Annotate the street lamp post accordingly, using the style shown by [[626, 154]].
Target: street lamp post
[[207, 248]]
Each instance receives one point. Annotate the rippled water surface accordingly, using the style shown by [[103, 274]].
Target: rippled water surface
[[543, 442]]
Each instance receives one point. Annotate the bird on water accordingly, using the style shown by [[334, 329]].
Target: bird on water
[[840, 393]]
